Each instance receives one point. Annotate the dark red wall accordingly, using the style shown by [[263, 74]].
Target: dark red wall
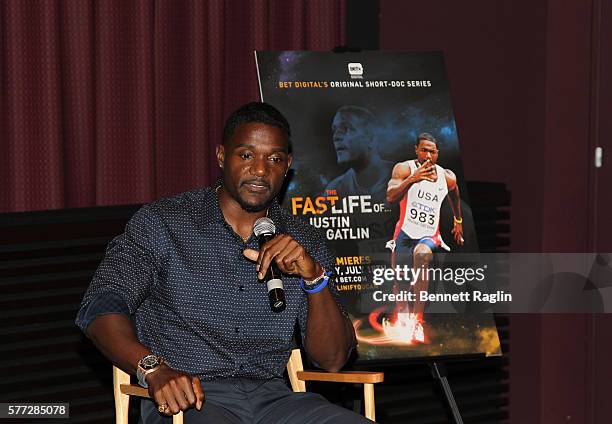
[[531, 102]]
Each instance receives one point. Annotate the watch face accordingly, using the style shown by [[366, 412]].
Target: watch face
[[149, 361]]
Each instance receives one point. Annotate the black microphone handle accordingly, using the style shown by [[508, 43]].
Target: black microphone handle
[[276, 291], [273, 271], [274, 283]]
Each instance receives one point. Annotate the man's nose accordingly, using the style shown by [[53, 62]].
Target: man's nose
[[259, 167]]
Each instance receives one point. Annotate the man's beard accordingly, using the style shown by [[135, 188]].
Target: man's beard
[[255, 208], [235, 194]]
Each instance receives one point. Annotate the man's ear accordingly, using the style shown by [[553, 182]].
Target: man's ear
[[289, 162], [220, 153]]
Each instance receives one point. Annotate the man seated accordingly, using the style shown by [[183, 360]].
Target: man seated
[[178, 299]]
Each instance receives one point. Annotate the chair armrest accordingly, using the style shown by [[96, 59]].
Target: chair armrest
[[134, 390], [361, 377]]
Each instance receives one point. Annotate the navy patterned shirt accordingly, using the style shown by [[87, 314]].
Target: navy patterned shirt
[[178, 270]]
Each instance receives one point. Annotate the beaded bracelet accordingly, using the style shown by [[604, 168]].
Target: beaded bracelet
[[316, 288]]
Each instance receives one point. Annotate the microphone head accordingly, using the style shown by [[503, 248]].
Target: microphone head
[[264, 225]]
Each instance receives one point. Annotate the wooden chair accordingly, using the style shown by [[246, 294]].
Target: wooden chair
[[298, 377]]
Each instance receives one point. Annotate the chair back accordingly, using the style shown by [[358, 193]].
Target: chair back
[[293, 367]]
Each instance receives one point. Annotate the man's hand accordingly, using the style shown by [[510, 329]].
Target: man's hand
[[457, 232], [177, 390], [289, 255], [425, 171]]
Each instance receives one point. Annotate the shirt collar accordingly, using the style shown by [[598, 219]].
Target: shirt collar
[[212, 211]]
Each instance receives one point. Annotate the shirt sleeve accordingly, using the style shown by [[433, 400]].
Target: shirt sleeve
[[124, 278], [101, 304]]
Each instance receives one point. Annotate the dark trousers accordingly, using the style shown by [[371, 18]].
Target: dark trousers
[[242, 401]]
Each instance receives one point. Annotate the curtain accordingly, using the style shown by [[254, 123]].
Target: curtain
[[116, 102]]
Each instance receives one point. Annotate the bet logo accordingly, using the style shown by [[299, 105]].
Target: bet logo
[[355, 70]]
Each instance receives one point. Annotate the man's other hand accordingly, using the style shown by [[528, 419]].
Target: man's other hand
[[177, 390], [457, 232]]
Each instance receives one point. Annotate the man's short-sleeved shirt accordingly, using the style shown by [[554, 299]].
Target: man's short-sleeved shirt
[[179, 271]]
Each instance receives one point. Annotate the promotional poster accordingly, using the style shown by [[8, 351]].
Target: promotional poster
[[377, 168]]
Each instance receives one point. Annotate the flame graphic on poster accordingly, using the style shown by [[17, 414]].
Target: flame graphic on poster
[[402, 328]]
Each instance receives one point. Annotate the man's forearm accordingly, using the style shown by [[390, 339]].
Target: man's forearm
[[394, 193], [329, 334], [114, 335], [456, 203]]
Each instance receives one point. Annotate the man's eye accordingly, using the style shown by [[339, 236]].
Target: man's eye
[[276, 159], [245, 156]]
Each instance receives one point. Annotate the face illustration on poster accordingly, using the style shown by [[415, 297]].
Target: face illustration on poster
[[354, 138]]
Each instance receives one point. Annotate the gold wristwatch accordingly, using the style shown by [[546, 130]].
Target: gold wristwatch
[[147, 365]]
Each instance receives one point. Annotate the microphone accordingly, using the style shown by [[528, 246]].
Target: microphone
[[265, 230]]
